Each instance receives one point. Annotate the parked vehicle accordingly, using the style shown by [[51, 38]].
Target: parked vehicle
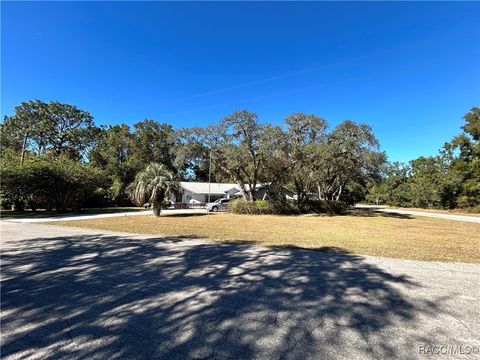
[[220, 204]]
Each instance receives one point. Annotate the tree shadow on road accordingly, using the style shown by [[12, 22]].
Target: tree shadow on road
[[115, 297]]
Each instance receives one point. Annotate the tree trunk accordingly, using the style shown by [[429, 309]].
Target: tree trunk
[[157, 209], [157, 204], [241, 185], [299, 190], [339, 193], [320, 194], [24, 148], [18, 205], [61, 209]]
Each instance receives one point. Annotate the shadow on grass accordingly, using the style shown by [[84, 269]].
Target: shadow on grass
[[7, 214], [373, 212], [114, 297], [183, 215], [363, 212], [330, 249]]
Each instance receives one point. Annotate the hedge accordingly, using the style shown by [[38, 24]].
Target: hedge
[[272, 207], [46, 184]]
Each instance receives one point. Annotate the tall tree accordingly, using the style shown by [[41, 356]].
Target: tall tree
[[425, 182], [467, 165], [50, 128], [112, 148], [306, 132], [393, 188], [153, 142], [240, 148], [112, 152], [350, 155], [192, 155]]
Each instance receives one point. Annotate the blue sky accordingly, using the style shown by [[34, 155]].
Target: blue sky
[[410, 70]]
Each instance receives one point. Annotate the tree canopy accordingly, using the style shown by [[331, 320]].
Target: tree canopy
[[49, 129]]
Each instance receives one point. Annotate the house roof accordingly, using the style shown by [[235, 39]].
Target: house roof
[[202, 187]]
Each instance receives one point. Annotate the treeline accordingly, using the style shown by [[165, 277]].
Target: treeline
[[448, 180], [54, 156]]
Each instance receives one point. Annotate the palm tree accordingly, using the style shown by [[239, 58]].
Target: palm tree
[[154, 185]]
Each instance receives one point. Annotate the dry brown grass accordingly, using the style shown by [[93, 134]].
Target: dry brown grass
[[360, 233]]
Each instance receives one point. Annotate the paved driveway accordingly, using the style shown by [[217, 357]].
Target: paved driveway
[[81, 294], [74, 217]]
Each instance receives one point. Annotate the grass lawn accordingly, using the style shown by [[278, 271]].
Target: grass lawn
[[361, 232], [8, 214]]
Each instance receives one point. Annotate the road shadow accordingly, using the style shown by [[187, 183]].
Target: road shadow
[[114, 297]]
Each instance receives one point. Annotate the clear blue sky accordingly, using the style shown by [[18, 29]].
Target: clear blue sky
[[410, 70]]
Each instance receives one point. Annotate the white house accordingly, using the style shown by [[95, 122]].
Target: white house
[[197, 192]]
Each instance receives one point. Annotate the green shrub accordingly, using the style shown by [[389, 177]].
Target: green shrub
[[62, 184], [273, 207], [322, 207], [475, 209]]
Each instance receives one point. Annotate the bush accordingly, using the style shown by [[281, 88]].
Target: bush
[[272, 207], [62, 184], [323, 207], [240, 206], [475, 209]]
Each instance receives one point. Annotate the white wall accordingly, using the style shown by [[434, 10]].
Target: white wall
[[190, 198]]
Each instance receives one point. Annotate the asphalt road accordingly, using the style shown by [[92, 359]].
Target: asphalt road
[[69, 293]]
